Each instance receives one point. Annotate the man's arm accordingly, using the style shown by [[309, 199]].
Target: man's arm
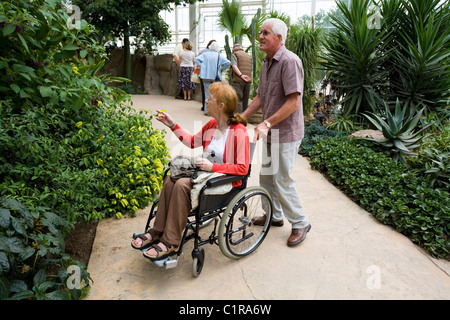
[[238, 72], [254, 106], [291, 104]]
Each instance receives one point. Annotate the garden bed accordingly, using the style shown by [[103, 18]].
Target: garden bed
[[80, 240]]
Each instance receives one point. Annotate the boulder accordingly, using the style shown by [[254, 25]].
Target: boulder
[[375, 134], [150, 74]]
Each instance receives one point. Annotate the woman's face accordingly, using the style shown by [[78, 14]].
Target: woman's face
[[214, 108]]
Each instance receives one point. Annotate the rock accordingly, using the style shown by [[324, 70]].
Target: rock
[[375, 134], [151, 82], [150, 74]]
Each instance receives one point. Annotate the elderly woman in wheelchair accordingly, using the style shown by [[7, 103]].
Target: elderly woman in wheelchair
[[225, 138]]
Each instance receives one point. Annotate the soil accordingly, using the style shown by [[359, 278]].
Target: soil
[[79, 241]]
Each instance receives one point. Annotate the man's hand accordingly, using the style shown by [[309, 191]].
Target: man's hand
[[246, 78], [261, 131]]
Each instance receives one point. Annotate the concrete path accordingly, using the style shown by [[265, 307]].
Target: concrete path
[[346, 255]]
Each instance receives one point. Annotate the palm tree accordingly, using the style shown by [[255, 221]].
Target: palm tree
[[232, 19]]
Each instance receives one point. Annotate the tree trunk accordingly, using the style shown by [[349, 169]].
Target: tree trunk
[[127, 54]]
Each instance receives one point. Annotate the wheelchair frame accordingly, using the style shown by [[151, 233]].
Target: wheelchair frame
[[224, 208]]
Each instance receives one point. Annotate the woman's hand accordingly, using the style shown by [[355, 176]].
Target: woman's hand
[[204, 164], [165, 118]]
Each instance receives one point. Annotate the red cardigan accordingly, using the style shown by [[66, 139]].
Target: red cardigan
[[236, 158]]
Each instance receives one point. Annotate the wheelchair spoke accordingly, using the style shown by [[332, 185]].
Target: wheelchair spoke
[[242, 235]]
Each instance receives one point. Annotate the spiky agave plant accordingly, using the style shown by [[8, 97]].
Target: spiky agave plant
[[398, 130]]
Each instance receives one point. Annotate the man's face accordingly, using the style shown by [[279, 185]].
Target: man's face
[[268, 41]]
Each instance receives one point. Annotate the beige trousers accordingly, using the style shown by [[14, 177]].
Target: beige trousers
[[173, 209]]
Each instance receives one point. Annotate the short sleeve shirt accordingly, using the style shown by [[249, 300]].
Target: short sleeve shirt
[[187, 58], [233, 60], [178, 50], [283, 77]]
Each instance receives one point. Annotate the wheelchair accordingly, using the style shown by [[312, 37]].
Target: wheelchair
[[232, 213]]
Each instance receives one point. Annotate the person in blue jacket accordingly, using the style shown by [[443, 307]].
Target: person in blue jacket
[[211, 63]]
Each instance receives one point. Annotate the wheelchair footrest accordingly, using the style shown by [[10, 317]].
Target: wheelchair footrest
[[167, 263]]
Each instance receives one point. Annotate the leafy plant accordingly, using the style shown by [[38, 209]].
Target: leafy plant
[[432, 160], [33, 264], [305, 40], [314, 132], [404, 56], [438, 171], [353, 55], [420, 72], [398, 131], [343, 123], [232, 20]]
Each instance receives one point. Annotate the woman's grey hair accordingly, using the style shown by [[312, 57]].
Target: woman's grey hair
[[278, 27], [214, 46]]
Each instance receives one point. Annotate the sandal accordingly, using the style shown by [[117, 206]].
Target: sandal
[[146, 241], [160, 253]]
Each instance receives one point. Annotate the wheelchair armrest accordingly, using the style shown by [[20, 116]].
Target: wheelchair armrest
[[223, 179]]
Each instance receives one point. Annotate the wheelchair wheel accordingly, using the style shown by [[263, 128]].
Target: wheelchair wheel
[[198, 256], [238, 236]]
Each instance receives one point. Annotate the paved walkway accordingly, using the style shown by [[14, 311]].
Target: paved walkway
[[347, 254]]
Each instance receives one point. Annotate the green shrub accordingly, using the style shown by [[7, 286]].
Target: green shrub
[[433, 159], [386, 189], [71, 147], [314, 132], [68, 141]]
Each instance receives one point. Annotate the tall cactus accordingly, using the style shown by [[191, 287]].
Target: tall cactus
[[227, 47], [254, 20], [254, 48], [228, 52]]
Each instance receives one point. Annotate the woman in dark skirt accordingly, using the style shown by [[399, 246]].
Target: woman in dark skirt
[[186, 69]]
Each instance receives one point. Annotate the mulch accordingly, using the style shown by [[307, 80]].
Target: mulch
[[79, 241]]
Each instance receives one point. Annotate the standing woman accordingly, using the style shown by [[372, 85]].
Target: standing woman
[[211, 65], [202, 86], [186, 69]]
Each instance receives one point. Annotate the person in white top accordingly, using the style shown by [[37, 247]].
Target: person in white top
[[176, 59], [185, 72], [178, 49]]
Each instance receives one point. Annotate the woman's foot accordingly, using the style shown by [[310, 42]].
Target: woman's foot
[[143, 241], [160, 251]]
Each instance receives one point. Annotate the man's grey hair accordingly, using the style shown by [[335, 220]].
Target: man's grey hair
[[278, 27]]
